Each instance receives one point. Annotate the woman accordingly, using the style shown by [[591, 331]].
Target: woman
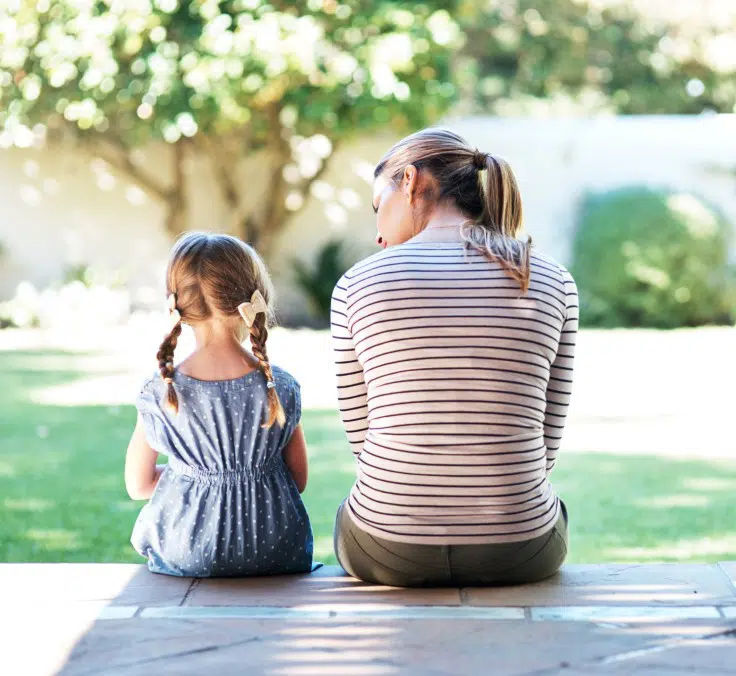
[[454, 350]]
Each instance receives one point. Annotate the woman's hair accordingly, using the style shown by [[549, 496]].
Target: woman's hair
[[450, 170], [211, 275]]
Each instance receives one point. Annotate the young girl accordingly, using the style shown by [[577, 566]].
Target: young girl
[[228, 501]]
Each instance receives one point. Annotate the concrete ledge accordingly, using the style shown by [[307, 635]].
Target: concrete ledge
[[675, 585], [121, 619]]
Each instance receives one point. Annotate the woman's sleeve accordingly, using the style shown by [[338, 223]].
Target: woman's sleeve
[[559, 387], [351, 387]]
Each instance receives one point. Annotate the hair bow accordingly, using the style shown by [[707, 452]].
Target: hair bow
[[249, 311], [174, 315]]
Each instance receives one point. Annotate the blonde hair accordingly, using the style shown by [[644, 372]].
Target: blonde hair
[[481, 185], [213, 274]]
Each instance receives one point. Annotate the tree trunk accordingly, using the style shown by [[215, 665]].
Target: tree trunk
[[176, 200], [257, 218], [261, 227]]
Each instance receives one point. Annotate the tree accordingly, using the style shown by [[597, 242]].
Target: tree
[[283, 81], [542, 56]]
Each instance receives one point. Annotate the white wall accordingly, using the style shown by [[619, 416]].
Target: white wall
[[61, 207]]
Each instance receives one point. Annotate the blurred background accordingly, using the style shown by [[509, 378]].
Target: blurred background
[[124, 123]]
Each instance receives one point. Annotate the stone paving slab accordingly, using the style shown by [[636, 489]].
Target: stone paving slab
[[729, 570], [386, 648], [711, 656], [327, 585], [109, 619], [347, 612], [618, 584], [118, 584]]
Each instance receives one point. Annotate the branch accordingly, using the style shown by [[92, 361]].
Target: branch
[[222, 167], [120, 160]]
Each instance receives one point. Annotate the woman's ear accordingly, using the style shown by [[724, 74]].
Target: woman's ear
[[409, 184]]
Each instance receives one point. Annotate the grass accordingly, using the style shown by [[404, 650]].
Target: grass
[[62, 496]]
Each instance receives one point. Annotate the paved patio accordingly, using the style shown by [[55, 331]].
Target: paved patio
[[646, 620]]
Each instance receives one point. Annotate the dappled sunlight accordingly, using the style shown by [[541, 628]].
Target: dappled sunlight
[[691, 629], [129, 506], [348, 631], [28, 505], [642, 594], [694, 549], [7, 470], [357, 668], [667, 501], [711, 483], [339, 649], [110, 390], [323, 547], [58, 539]]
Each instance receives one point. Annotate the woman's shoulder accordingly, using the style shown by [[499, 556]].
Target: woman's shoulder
[[356, 268], [375, 261], [543, 261]]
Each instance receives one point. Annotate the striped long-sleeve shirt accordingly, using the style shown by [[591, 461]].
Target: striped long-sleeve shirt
[[453, 387]]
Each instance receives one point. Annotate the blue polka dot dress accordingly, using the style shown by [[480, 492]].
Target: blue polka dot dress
[[226, 504]]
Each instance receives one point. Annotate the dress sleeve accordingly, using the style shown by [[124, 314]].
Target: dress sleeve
[[148, 405], [351, 388], [559, 387], [296, 404]]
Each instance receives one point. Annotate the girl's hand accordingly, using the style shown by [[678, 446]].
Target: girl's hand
[[141, 472]]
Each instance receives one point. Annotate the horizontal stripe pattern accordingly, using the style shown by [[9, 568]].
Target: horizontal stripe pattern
[[454, 390]]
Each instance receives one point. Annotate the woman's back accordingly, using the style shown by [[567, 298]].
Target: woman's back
[[453, 386]]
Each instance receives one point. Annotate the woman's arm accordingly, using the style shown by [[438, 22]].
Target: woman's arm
[[295, 457], [559, 387], [141, 472], [351, 388]]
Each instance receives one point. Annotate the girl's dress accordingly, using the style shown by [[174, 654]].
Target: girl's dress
[[226, 504]]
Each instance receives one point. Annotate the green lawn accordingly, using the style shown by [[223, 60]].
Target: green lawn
[[62, 496]]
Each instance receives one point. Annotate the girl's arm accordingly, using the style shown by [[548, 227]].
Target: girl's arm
[[141, 472], [295, 457]]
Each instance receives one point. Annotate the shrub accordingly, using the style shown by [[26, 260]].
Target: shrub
[[318, 281], [652, 259]]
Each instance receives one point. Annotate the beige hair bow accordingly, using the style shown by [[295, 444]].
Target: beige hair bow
[[174, 315], [249, 311]]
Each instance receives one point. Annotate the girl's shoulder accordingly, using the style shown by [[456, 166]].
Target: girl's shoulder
[[283, 379], [153, 384]]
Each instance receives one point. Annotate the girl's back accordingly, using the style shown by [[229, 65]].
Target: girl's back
[[227, 503]]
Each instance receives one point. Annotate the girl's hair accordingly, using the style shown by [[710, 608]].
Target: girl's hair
[[450, 170], [211, 275]]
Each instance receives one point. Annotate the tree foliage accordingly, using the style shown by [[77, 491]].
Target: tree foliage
[[288, 81], [227, 78], [561, 56]]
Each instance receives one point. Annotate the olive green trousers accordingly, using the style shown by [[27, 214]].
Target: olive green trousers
[[401, 564]]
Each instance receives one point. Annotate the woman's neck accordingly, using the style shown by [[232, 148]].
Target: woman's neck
[[444, 225]]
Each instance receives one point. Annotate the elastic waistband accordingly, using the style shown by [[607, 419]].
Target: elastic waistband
[[227, 476]]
